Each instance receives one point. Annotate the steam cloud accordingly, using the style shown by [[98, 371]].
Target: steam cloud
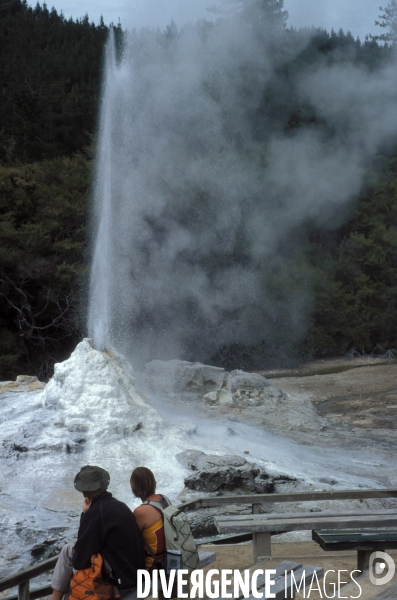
[[198, 218]]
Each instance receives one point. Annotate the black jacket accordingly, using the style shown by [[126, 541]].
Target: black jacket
[[109, 527]]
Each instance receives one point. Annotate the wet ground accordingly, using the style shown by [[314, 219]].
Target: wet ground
[[361, 393], [327, 367], [355, 448], [355, 401]]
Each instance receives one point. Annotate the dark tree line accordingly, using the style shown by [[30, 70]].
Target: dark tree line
[[50, 79]]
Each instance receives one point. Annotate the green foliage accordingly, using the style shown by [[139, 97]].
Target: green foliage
[[356, 285], [388, 21], [43, 214], [50, 82], [281, 107], [258, 12]]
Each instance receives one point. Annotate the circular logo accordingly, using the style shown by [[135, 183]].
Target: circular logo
[[378, 561]]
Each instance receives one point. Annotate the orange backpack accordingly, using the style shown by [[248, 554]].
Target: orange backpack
[[89, 584]]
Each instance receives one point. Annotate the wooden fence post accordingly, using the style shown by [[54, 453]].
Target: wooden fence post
[[23, 590], [261, 542]]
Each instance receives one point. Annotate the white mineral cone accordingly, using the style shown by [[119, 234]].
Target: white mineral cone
[[97, 395], [95, 413]]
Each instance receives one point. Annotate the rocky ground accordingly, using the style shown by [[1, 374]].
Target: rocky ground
[[358, 397], [361, 393], [339, 401]]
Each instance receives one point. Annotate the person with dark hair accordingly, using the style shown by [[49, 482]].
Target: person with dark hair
[[149, 516], [107, 527]]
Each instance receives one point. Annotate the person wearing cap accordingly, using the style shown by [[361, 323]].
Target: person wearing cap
[[108, 527]]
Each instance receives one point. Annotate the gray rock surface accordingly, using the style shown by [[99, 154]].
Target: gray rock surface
[[241, 396], [246, 479], [180, 376], [229, 475], [220, 397], [239, 380], [220, 474]]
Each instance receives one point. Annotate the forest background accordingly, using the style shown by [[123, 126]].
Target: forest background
[[50, 77]]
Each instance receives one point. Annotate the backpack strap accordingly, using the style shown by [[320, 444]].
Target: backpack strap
[[157, 564], [156, 505], [165, 501], [150, 552], [160, 506]]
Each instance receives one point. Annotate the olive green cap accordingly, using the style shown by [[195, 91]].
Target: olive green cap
[[90, 479]]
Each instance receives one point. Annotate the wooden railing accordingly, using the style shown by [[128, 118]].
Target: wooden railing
[[22, 578], [255, 499]]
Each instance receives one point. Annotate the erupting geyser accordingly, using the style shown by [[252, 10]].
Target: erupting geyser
[[102, 264], [197, 215], [201, 191]]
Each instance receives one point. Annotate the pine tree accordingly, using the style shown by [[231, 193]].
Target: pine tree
[[388, 20]]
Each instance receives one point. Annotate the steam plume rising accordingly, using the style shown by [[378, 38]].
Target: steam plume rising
[[198, 211]]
